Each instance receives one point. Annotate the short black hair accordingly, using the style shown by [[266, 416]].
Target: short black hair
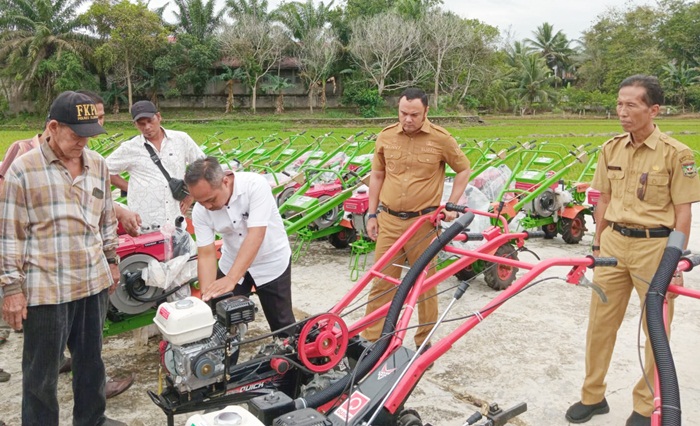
[[97, 99], [654, 93], [207, 168], [415, 93]]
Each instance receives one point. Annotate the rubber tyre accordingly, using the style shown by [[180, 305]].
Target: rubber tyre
[[342, 239], [550, 231], [465, 274], [500, 277], [409, 418], [572, 230]]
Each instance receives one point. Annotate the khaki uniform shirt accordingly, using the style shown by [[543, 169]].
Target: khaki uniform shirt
[[645, 183], [414, 165]]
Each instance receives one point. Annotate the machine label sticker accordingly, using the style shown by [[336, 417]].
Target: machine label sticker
[[384, 372], [164, 312], [351, 407]]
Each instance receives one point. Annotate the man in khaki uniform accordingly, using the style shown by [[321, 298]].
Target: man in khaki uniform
[[648, 182], [408, 173]]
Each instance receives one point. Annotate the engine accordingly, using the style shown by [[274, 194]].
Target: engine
[[195, 341], [548, 202]]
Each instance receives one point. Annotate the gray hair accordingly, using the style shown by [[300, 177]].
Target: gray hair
[[207, 168]]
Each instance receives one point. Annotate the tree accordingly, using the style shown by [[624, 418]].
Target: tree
[[198, 18], [679, 78], [133, 35], [115, 95], [258, 46], [317, 54], [444, 34], [32, 31], [302, 18], [276, 85], [471, 64], [679, 30], [254, 8], [383, 44], [554, 47], [532, 83], [415, 9], [620, 44], [230, 76]]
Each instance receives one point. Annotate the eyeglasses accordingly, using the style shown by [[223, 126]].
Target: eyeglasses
[[642, 186]]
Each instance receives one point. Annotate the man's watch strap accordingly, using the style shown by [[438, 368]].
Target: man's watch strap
[[595, 248], [372, 216]]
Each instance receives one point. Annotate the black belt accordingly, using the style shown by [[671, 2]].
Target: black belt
[[407, 215], [662, 232]]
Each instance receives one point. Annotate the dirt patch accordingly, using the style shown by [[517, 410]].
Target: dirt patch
[[529, 350]]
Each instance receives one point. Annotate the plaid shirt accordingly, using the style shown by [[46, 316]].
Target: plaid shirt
[[56, 232]]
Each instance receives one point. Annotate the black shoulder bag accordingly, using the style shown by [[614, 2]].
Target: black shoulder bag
[[177, 186]]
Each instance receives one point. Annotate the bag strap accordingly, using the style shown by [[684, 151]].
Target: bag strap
[[156, 159]]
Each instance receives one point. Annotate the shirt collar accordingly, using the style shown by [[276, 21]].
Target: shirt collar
[[651, 141], [51, 156], [425, 128]]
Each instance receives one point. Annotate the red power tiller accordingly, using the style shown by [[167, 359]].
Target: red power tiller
[[320, 371]]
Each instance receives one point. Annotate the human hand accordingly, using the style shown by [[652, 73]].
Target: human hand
[[676, 280], [219, 287], [185, 204], [131, 222], [449, 216], [14, 310], [373, 228], [116, 276]]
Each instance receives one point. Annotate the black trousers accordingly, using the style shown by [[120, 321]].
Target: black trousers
[[275, 298]]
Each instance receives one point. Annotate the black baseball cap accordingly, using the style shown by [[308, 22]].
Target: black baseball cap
[[78, 112], [143, 109]]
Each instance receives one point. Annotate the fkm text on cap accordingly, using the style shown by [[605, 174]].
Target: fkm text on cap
[[78, 112]]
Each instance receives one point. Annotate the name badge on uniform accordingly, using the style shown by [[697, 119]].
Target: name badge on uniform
[[98, 193]]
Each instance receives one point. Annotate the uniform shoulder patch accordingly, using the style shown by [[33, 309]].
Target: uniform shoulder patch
[[687, 161]]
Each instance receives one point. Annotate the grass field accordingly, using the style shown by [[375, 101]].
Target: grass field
[[565, 131]]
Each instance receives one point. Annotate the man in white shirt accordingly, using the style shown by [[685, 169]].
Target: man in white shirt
[[148, 191], [256, 254]]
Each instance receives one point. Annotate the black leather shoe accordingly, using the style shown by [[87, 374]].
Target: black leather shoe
[[114, 387], [581, 413], [637, 419]]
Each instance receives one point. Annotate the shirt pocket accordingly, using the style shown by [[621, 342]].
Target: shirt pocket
[[657, 189], [427, 165], [617, 183], [393, 161]]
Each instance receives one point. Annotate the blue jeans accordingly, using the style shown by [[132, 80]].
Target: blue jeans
[[48, 329]]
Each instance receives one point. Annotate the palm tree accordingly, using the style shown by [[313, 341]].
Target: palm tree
[[229, 76], [198, 18], [301, 18], [115, 96], [679, 78], [32, 31], [275, 84], [553, 47], [255, 8], [532, 82]]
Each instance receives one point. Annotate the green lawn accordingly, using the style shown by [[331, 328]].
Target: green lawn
[[565, 131]]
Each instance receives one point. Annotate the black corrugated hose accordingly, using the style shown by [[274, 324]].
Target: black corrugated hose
[[670, 393], [364, 367]]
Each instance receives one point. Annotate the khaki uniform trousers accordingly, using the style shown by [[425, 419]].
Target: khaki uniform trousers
[[390, 229], [638, 259]]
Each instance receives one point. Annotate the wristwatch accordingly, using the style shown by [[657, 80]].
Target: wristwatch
[[114, 260], [372, 216]]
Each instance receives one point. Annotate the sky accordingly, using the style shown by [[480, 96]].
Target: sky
[[522, 17]]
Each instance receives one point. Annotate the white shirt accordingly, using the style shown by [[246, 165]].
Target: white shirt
[[251, 205], [149, 194]]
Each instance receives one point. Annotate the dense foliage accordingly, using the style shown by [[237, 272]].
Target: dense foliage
[[372, 49]]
